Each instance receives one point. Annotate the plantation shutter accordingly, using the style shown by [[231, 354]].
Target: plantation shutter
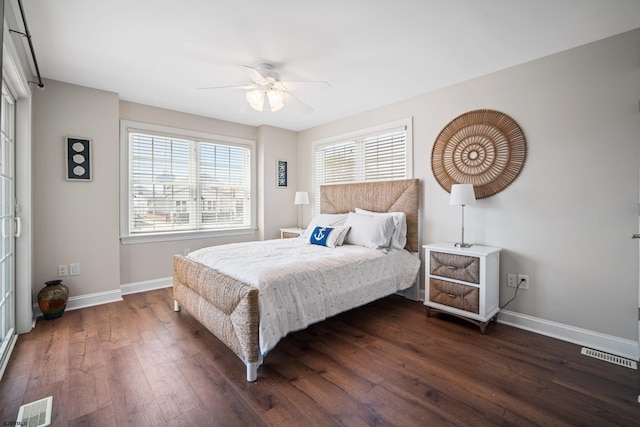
[[378, 156], [225, 186], [160, 184], [385, 156], [185, 185]]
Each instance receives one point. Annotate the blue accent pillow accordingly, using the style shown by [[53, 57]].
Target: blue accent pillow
[[328, 236]]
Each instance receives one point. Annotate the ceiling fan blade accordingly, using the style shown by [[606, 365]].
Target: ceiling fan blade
[[256, 76], [296, 103], [245, 87]]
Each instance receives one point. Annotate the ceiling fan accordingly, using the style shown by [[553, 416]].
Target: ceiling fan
[[267, 92]]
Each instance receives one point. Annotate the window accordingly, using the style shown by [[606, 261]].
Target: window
[[377, 154], [177, 183]]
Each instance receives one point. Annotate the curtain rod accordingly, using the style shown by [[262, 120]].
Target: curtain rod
[[27, 34]]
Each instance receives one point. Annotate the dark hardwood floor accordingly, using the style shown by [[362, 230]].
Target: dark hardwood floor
[[138, 363]]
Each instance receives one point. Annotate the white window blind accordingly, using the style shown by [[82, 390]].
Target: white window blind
[[381, 155], [178, 184]]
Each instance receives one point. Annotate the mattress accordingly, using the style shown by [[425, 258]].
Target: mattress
[[300, 284]]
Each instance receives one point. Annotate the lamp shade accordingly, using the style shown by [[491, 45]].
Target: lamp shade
[[302, 198], [462, 194]]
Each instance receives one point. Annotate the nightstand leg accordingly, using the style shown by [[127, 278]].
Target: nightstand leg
[[428, 311], [483, 327]]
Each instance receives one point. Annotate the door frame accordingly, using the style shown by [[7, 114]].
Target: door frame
[[15, 78]]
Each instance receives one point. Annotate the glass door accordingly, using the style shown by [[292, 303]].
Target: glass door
[[9, 226]]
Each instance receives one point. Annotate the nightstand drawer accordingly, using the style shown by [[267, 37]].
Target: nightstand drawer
[[288, 233], [455, 295], [453, 266]]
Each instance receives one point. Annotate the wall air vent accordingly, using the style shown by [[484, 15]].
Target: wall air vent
[[36, 414]]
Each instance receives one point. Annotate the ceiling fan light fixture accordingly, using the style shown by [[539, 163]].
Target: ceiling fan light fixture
[[276, 100], [255, 98], [266, 92]]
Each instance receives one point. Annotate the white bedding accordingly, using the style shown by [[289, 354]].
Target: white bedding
[[301, 284]]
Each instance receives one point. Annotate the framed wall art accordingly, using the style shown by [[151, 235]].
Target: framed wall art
[[485, 148], [78, 164], [281, 173]]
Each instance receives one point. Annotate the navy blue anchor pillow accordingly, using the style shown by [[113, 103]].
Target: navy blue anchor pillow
[[328, 236]]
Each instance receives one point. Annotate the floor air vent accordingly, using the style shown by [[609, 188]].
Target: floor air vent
[[609, 358], [35, 414]]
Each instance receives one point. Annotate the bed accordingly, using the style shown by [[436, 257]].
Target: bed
[[250, 295]]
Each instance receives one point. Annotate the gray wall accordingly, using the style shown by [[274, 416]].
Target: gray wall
[[75, 221], [567, 220], [79, 221]]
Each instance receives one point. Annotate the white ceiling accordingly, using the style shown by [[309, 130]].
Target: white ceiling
[[373, 52]]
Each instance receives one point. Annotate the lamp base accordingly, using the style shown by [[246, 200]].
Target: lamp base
[[463, 245]]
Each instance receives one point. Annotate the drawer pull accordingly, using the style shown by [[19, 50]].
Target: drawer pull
[[451, 267], [452, 296]]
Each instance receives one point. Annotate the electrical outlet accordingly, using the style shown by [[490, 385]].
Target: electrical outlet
[[511, 280], [74, 269], [63, 270], [525, 284]]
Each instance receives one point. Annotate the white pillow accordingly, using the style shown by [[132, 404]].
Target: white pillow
[[328, 236], [324, 220], [399, 239], [370, 231]]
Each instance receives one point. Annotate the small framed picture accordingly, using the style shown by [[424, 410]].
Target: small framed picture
[[78, 159], [281, 173]]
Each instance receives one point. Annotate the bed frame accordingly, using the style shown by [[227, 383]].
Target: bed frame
[[229, 309]]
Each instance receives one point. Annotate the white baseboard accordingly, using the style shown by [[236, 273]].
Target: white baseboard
[[146, 285], [89, 300], [607, 343], [618, 346]]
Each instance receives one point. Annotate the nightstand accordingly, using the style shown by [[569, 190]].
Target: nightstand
[[286, 233], [463, 282]]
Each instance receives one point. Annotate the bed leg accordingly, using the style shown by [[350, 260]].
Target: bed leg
[[176, 306], [252, 371]]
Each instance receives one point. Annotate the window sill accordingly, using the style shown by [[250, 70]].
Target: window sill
[[183, 235]]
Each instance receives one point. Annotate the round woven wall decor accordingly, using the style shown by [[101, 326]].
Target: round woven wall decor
[[485, 148]]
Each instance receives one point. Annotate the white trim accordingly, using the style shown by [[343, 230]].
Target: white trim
[[408, 122], [15, 76], [87, 300], [183, 235], [12, 69], [607, 343], [24, 243], [146, 285], [129, 125], [99, 298], [5, 362]]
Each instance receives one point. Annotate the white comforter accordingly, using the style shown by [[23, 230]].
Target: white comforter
[[301, 284]]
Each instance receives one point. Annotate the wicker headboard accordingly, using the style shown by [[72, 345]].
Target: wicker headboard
[[384, 196]]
